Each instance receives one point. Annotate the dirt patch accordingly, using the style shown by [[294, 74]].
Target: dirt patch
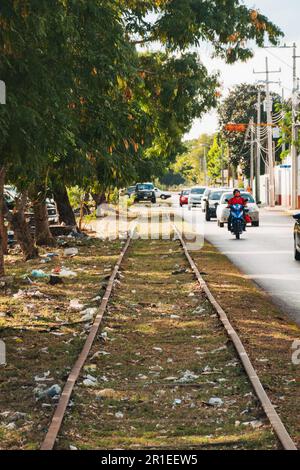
[[43, 335]]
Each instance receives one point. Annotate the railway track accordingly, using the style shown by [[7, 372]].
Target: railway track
[[167, 369]]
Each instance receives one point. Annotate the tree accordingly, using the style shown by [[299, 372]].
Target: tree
[[180, 24], [216, 159], [239, 107], [191, 164]]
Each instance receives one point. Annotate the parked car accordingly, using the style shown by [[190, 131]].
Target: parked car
[[297, 236], [145, 192], [223, 212], [130, 191], [184, 197], [195, 196], [213, 200], [53, 217], [161, 194]]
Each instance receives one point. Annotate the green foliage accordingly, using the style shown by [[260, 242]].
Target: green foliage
[[216, 159], [87, 107], [239, 107], [190, 164]]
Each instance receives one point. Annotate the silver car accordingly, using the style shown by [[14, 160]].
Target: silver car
[[195, 196], [223, 211]]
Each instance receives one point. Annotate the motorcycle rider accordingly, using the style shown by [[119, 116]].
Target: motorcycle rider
[[236, 199]]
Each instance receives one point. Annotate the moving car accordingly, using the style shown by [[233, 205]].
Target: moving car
[[213, 200], [223, 211], [195, 196], [184, 197], [162, 194], [145, 192], [204, 202], [297, 236]]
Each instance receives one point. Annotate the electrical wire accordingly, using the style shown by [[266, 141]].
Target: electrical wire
[[278, 58]]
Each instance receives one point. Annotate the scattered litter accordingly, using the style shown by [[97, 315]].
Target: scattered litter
[[177, 401], [76, 305], [54, 280], [51, 255], [191, 294], [222, 348], [10, 426], [71, 251], [72, 447], [43, 378], [106, 393], [88, 314], [198, 311], [39, 274], [53, 392], [119, 415], [142, 377], [12, 416], [174, 317], [206, 370], [100, 353], [214, 401], [64, 272], [90, 381], [254, 424], [157, 349], [188, 376], [97, 299], [21, 294]]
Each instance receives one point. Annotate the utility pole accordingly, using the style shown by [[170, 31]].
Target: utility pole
[[283, 147], [252, 140], [267, 82], [258, 148], [294, 151]]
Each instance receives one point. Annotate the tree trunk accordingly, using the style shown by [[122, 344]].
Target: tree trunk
[[2, 178], [22, 230], [43, 236], [65, 211], [99, 199]]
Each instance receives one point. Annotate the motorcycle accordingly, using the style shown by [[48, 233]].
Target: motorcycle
[[237, 215]]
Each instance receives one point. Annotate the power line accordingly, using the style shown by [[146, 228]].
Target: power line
[[278, 58]]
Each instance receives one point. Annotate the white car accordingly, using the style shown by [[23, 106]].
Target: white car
[[161, 194], [195, 196], [223, 211]]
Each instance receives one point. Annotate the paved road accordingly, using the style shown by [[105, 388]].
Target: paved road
[[264, 254]]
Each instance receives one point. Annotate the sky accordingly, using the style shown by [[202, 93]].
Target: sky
[[286, 15]]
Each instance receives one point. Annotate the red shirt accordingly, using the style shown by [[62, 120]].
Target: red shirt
[[237, 200]]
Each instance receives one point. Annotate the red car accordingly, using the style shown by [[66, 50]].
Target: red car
[[184, 197]]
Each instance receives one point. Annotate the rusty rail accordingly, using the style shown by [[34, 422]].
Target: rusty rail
[[276, 423], [57, 419]]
